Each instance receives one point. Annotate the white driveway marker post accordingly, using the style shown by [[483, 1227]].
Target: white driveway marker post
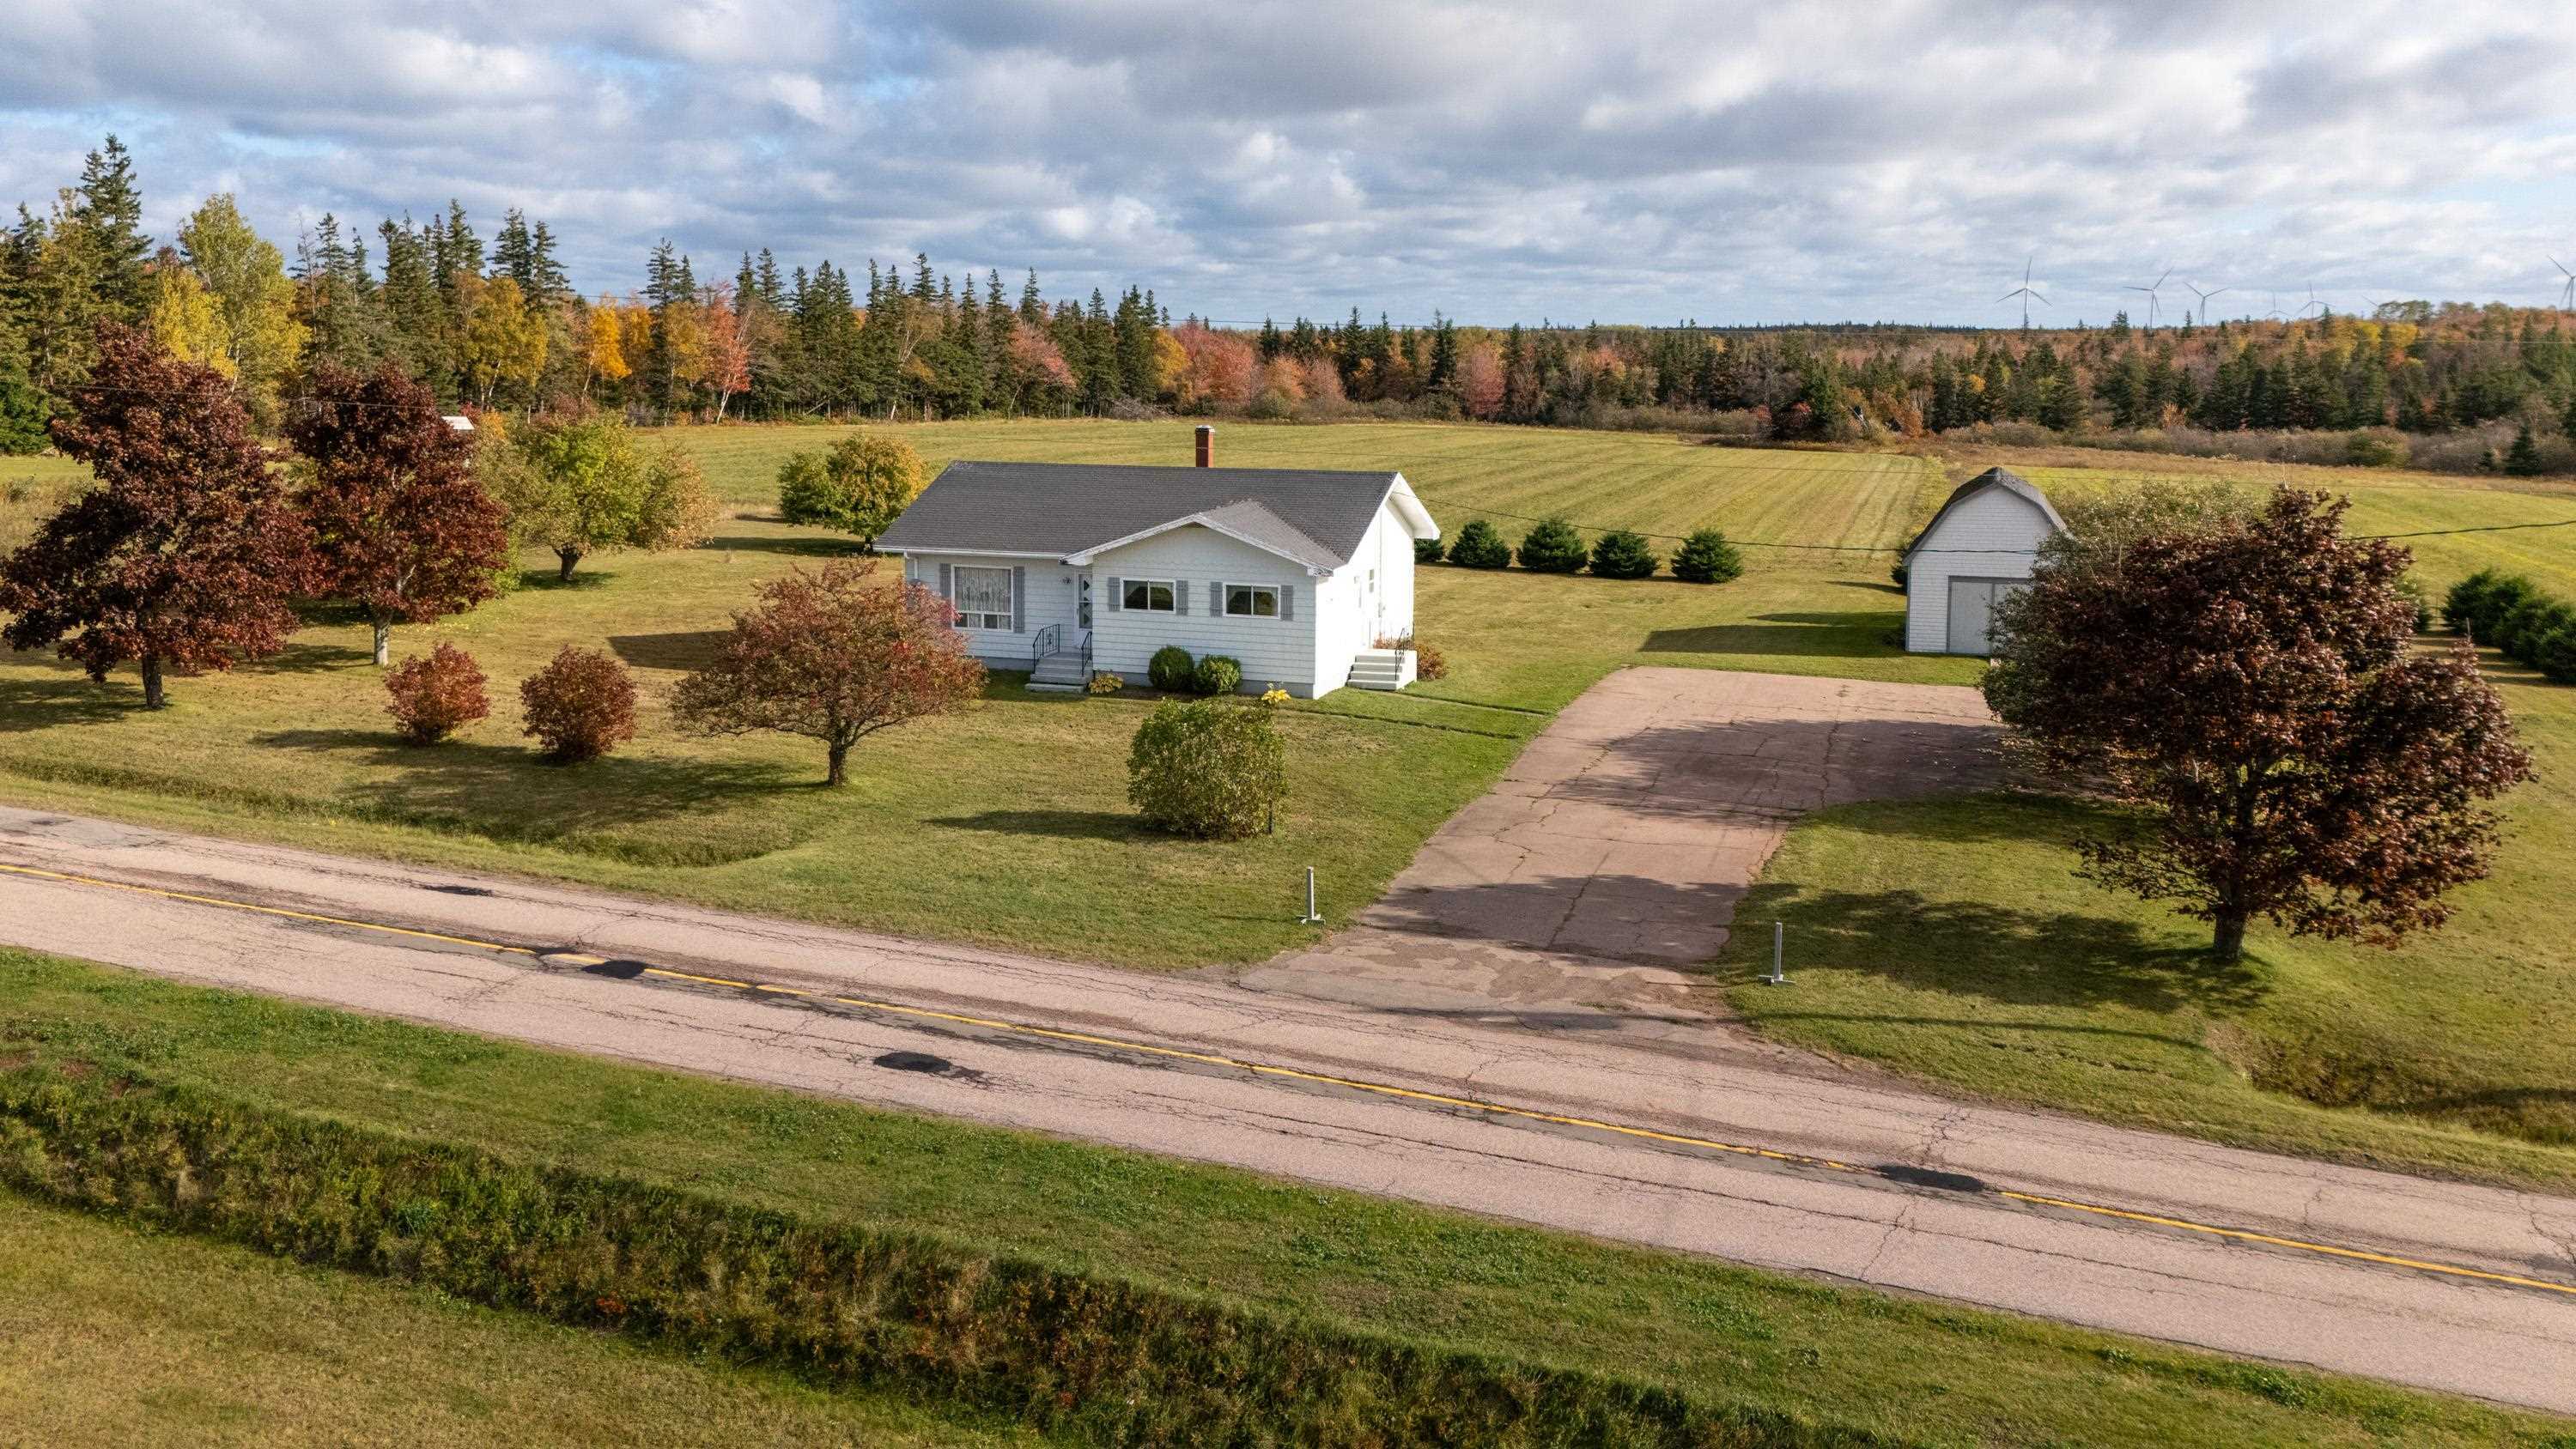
[[1312, 916], [1777, 976]]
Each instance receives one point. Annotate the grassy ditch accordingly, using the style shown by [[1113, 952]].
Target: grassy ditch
[[1090, 1358], [126, 1340]]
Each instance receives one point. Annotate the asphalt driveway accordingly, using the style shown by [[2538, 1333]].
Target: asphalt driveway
[[1611, 856]]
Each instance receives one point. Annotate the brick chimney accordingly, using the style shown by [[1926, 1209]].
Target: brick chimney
[[1207, 446]]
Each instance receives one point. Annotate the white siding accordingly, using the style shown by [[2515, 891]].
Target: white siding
[[1273, 651], [1049, 599], [1358, 610], [1994, 519]]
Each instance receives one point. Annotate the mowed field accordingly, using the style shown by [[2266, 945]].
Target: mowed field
[[1007, 825]]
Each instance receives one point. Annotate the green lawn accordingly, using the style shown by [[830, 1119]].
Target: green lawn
[[1949, 938], [1009, 825], [122, 1338], [1914, 1369]]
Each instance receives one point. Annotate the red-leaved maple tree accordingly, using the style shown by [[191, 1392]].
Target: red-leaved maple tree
[[184, 555], [833, 656], [401, 527], [2254, 688]]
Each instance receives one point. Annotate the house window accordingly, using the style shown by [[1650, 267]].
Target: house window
[[1251, 601], [982, 598], [1154, 596]]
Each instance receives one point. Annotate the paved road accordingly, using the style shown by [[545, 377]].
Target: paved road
[[1917, 1212]]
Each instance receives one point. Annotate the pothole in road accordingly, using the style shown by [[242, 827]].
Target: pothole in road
[[927, 1065], [1929, 1177], [460, 890]]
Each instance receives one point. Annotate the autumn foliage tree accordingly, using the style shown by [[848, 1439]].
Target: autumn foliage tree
[[859, 485], [400, 526], [833, 656], [2252, 688], [185, 554], [585, 485]]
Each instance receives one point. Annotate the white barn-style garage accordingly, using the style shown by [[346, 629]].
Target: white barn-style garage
[[1979, 548]]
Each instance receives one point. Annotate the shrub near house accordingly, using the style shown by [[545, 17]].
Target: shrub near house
[[1210, 769]]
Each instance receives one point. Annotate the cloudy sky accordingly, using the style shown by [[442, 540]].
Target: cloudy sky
[[1630, 160]]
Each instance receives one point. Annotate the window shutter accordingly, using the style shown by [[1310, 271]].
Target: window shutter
[[1019, 599], [1216, 600], [944, 591], [1117, 593], [1288, 603], [1180, 596]]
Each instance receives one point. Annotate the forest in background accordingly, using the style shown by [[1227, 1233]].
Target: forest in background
[[497, 326]]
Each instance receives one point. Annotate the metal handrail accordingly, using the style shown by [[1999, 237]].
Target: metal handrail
[[1038, 647], [1086, 654]]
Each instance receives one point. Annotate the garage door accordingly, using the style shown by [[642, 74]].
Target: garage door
[[1972, 609]]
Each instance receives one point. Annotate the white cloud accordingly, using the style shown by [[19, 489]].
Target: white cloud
[[1627, 158]]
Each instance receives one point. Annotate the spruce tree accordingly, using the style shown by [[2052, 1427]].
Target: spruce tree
[[2522, 460], [111, 212]]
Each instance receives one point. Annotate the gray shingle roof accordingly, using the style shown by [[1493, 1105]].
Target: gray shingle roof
[[1062, 509], [2003, 478]]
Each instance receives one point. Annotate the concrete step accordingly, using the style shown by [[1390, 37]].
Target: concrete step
[[1037, 688]]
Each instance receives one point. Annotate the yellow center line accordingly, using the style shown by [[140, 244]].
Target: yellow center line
[[1353, 1084]]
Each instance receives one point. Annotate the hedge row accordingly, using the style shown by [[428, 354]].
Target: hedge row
[[2515, 615], [1554, 547], [1088, 1358]]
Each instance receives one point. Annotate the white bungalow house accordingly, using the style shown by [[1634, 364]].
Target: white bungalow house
[[1064, 569], [1980, 547]]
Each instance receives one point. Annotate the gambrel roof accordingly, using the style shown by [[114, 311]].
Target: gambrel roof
[[2004, 478], [1073, 511]]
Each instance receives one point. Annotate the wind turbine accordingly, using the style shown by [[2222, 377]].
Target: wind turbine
[[2204, 297], [2566, 294], [2150, 290], [2025, 292], [2312, 301]]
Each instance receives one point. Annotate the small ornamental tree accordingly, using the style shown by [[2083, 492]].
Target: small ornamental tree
[[433, 696], [1209, 769], [585, 485], [859, 485], [833, 656], [1623, 554], [400, 526], [1552, 547], [2253, 690], [1707, 558], [1428, 550], [579, 707], [184, 555], [1479, 546]]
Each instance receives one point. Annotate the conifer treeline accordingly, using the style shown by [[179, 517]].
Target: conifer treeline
[[499, 325]]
